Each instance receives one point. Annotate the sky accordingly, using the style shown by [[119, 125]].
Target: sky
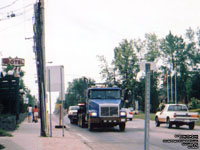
[[76, 31]]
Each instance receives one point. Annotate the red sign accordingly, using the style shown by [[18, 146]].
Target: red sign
[[18, 62]]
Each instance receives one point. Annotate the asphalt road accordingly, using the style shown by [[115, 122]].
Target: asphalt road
[[133, 137]]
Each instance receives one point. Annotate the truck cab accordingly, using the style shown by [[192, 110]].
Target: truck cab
[[102, 108]]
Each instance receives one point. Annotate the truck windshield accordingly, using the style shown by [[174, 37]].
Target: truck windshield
[[104, 94]]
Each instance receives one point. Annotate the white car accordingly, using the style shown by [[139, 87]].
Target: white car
[[176, 114], [129, 113], [72, 114]]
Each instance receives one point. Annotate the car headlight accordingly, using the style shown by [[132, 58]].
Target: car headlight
[[93, 114], [122, 113]]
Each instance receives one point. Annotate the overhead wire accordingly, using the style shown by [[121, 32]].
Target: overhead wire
[[13, 14], [9, 5], [19, 23], [24, 7]]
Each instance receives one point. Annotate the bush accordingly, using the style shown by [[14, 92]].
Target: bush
[[195, 110], [4, 133], [194, 104], [1, 146]]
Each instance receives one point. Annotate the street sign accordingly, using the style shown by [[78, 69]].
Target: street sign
[[25, 100], [55, 80], [152, 64], [17, 62]]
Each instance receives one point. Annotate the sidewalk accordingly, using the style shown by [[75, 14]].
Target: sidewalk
[[27, 137]]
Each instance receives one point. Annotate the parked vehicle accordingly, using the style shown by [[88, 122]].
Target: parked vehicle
[[176, 114], [129, 113], [102, 109], [72, 114]]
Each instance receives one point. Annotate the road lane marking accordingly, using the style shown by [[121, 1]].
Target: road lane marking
[[83, 137]]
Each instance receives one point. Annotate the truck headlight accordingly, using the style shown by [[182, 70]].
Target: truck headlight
[[122, 113], [93, 114]]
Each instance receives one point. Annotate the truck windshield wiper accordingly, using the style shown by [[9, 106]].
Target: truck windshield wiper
[[111, 97]]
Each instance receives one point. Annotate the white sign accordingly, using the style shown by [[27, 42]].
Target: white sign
[[25, 100], [55, 80], [152, 65]]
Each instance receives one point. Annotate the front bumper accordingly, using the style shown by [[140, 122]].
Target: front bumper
[[108, 120], [74, 117]]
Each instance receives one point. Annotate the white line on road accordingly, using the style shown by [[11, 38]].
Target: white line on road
[[83, 137]]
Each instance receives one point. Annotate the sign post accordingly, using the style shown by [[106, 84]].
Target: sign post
[[49, 76], [55, 83], [147, 66], [62, 98], [147, 104]]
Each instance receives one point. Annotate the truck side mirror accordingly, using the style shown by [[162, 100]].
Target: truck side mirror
[[88, 94]]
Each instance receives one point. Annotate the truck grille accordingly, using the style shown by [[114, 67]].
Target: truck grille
[[109, 111]]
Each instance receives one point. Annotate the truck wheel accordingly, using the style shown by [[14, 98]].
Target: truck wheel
[[169, 124], [122, 126], [157, 122], [80, 121], [90, 126], [191, 125], [177, 125]]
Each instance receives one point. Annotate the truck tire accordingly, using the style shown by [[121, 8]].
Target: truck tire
[[157, 122], [177, 126], [169, 124], [122, 126], [90, 126], [81, 121], [191, 125]]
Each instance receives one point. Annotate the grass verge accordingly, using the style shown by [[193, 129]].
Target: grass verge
[[4, 133], [1, 146], [142, 116]]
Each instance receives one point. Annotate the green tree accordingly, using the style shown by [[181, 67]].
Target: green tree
[[126, 65], [153, 53], [76, 92], [108, 72], [193, 55], [173, 48], [152, 47]]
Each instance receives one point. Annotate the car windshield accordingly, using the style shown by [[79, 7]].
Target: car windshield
[[104, 94], [177, 108], [74, 108]]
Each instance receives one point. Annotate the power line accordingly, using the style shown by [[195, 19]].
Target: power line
[[12, 14], [22, 8], [19, 23], [9, 5], [18, 9]]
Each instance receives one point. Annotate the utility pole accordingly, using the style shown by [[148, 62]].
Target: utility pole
[[39, 45]]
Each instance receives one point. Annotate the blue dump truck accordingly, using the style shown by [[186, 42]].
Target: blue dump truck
[[102, 109]]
